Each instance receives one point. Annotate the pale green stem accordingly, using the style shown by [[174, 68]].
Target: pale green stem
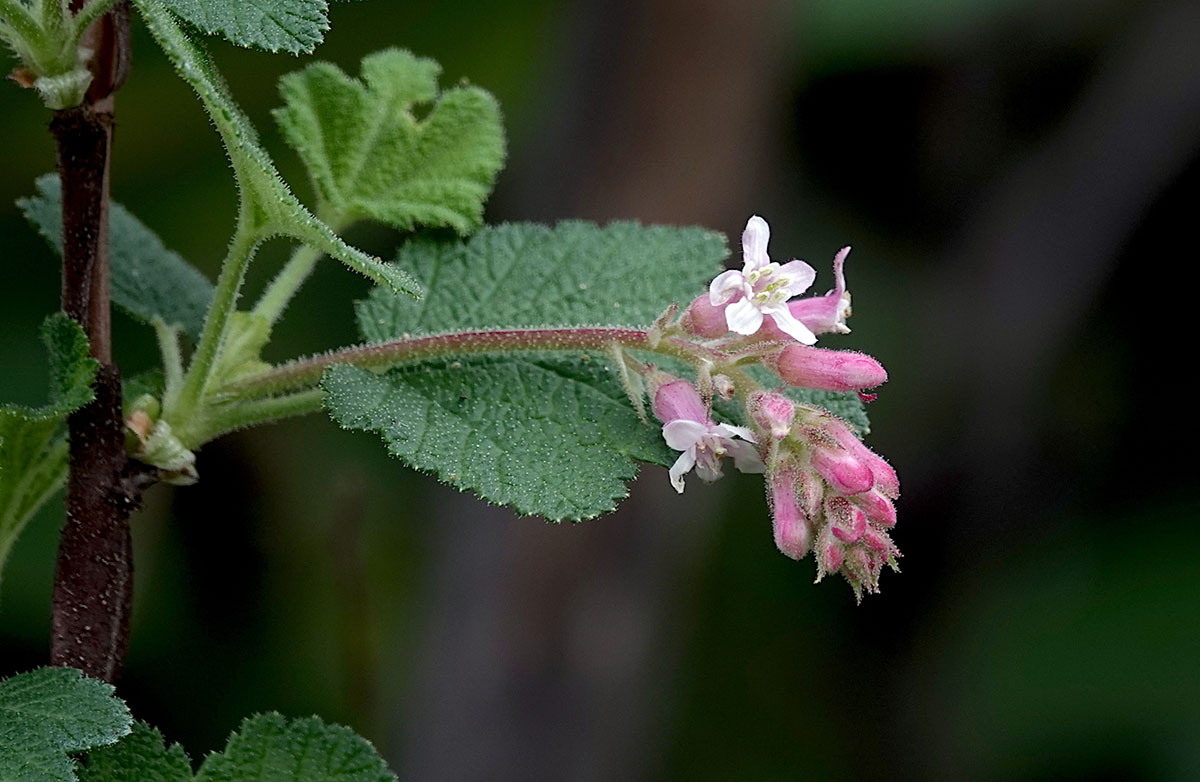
[[17, 17], [279, 293], [307, 372], [222, 419], [216, 323], [89, 14], [54, 16], [168, 345]]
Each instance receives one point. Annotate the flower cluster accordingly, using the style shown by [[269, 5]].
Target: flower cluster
[[828, 493]]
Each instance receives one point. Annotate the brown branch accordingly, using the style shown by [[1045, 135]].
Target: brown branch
[[93, 582]]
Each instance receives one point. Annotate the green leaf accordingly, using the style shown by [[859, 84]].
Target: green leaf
[[370, 158], [293, 26], [269, 748], [524, 275], [49, 713], [552, 435], [267, 203], [33, 449], [142, 756], [148, 280]]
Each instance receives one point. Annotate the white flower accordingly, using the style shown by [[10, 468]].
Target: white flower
[[704, 443], [762, 287]]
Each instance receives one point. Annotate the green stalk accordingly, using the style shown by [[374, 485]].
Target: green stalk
[[222, 419], [307, 372], [168, 346], [216, 322], [284, 287], [17, 17]]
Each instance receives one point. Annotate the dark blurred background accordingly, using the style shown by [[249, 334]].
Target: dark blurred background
[[1020, 181]]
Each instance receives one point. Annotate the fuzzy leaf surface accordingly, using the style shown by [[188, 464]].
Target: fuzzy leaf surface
[[148, 280], [269, 748], [33, 448], [527, 275], [547, 434], [369, 157], [49, 713], [292, 26], [142, 756]]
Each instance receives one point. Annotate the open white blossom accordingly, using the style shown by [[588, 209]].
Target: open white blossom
[[762, 287]]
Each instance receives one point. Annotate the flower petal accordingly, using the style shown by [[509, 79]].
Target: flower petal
[[754, 243], [729, 430], [684, 434], [801, 276], [685, 462], [745, 457], [725, 286], [788, 324], [708, 468], [743, 317]]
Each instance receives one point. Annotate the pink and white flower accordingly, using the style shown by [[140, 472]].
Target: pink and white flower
[[762, 288], [688, 428]]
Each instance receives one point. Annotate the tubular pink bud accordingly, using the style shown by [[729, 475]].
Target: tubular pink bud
[[878, 508], [886, 481], [844, 473], [704, 319], [829, 557], [855, 527], [772, 412], [678, 399], [831, 370], [789, 522]]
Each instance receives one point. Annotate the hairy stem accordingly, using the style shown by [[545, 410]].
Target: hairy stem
[[220, 419], [216, 323], [17, 17], [94, 572], [306, 372], [284, 287], [168, 346]]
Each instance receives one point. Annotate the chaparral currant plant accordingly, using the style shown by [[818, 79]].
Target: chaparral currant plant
[[514, 361]]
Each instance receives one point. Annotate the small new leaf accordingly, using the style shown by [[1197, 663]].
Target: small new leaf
[[33, 448], [50, 713], [269, 748], [267, 204], [292, 26], [148, 280], [369, 157], [142, 756], [553, 434]]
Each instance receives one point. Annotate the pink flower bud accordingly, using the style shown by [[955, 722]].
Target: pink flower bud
[[879, 509], [678, 400], [886, 481], [829, 555], [789, 522], [847, 522], [704, 319], [772, 412], [880, 543], [832, 370], [846, 474]]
